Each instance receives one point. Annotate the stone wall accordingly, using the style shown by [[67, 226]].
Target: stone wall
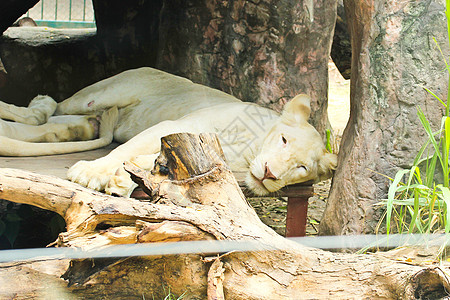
[[44, 61]]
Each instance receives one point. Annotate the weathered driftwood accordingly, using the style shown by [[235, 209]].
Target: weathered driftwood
[[195, 196]]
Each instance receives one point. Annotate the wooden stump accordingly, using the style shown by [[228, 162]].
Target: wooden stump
[[196, 197]]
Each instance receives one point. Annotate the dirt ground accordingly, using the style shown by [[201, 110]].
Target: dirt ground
[[272, 211]]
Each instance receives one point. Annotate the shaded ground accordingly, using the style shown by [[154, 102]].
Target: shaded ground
[[272, 211]]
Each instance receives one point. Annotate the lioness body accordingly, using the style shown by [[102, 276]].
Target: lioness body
[[145, 97], [153, 104]]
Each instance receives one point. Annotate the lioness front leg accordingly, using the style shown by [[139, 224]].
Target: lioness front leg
[[107, 173], [121, 184]]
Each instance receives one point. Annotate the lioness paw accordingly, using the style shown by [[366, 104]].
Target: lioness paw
[[93, 174], [120, 184]]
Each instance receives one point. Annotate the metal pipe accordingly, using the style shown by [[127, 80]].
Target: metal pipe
[[70, 10], [42, 9], [84, 10], [56, 10]]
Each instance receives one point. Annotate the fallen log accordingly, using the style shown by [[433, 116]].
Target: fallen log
[[194, 196]]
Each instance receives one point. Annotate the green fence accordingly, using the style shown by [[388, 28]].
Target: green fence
[[63, 13]]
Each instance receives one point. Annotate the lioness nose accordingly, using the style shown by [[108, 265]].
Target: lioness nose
[[268, 174]]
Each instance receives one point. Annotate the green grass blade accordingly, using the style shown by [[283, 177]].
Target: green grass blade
[[415, 220], [410, 179], [446, 148], [413, 186], [447, 14], [328, 145], [417, 175], [446, 198], [427, 127], [434, 95], [391, 197], [419, 159], [431, 170], [447, 133]]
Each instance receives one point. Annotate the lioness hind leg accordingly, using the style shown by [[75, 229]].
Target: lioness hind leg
[[58, 129], [79, 128], [14, 147], [37, 112]]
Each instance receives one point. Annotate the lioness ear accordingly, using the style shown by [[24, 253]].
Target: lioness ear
[[327, 164], [297, 110]]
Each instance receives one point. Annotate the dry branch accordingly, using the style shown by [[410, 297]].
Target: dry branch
[[195, 196]]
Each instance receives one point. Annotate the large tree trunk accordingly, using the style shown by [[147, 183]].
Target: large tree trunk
[[259, 51], [195, 196], [394, 55]]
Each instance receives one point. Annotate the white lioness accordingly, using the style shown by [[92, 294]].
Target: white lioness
[[275, 150]]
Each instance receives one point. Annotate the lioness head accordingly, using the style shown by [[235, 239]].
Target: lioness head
[[292, 152]]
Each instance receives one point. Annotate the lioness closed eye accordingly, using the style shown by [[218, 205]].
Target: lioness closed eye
[[142, 105]]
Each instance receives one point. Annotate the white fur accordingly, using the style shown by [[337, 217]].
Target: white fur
[[153, 104]]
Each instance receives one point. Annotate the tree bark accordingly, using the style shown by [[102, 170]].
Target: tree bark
[[265, 52], [394, 56], [195, 196]]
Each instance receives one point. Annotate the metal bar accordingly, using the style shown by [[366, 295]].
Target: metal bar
[[42, 9], [56, 10], [221, 246], [84, 10], [65, 24], [70, 10]]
